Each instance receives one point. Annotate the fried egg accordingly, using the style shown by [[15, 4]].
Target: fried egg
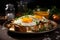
[[29, 20], [25, 21]]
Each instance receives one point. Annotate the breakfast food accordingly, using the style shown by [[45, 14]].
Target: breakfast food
[[30, 23]]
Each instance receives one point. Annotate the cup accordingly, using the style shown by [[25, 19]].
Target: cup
[[42, 12]]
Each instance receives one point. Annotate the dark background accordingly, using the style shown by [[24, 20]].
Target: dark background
[[31, 4]]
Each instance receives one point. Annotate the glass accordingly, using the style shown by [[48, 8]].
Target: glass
[[10, 11], [42, 12]]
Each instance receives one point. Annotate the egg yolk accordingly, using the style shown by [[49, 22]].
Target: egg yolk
[[27, 20]]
